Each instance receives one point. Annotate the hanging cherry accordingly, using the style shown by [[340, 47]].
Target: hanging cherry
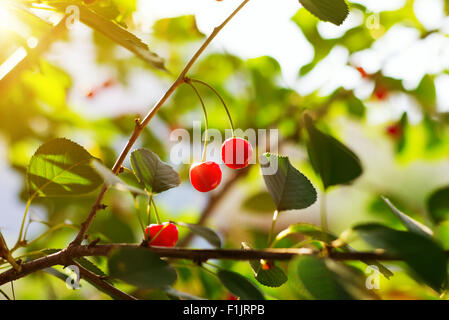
[[205, 176], [236, 153], [162, 235]]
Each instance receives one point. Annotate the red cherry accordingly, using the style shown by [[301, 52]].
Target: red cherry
[[231, 297], [163, 235], [236, 153], [205, 176]]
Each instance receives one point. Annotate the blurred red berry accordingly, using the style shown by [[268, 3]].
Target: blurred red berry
[[109, 83], [381, 93], [91, 94], [394, 131]]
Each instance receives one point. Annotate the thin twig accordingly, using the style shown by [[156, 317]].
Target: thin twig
[[105, 286]]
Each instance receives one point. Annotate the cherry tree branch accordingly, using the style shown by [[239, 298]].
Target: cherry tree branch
[[140, 125], [65, 257]]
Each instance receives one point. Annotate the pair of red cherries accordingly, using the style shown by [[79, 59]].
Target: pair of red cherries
[[235, 153], [204, 176]]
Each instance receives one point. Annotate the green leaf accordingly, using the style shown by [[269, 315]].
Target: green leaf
[[438, 205], [113, 181], [315, 233], [117, 34], [288, 187], [423, 255], [157, 176], [61, 167], [178, 29], [141, 267], [90, 266], [206, 233], [240, 286], [411, 224], [313, 276], [307, 230], [334, 11], [273, 277], [259, 202], [332, 160]]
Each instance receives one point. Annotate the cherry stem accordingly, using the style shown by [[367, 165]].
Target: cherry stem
[[158, 219], [206, 135], [273, 224], [222, 101], [139, 217]]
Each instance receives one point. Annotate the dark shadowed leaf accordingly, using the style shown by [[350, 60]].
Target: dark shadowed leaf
[[332, 160], [334, 11], [61, 167], [324, 279], [240, 286], [180, 295], [141, 267], [411, 224], [425, 257], [156, 175], [272, 277], [288, 187], [438, 205], [206, 233], [113, 181]]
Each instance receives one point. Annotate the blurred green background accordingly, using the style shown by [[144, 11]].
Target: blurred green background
[[379, 83]]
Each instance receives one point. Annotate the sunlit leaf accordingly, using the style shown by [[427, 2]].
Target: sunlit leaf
[[61, 167]]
